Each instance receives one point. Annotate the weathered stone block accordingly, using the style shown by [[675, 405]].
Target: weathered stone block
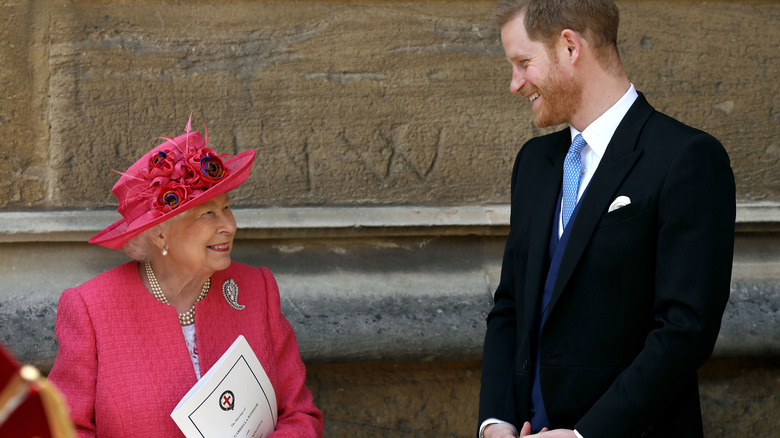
[[383, 400], [377, 102], [440, 399], [23, 140], [739, 396]]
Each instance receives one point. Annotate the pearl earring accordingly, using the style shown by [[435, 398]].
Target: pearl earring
[[165, 252]]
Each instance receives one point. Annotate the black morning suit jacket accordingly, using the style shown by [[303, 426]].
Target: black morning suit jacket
[[639, 297]]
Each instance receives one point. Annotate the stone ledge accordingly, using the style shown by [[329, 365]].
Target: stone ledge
[[353, 300], [264, 223], [758, 216], [390, 327], [78, 226], [359, 284]]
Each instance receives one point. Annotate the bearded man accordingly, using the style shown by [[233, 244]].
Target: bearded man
[[617, 267]]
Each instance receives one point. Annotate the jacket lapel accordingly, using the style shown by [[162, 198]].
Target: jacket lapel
[[619, 158], [550, 176]]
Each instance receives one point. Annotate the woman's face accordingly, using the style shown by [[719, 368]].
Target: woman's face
[[199, 240]]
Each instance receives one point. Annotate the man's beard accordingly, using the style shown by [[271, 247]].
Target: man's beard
[[561, 97]]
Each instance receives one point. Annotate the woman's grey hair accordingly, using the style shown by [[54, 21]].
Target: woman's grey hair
[[141, 247]]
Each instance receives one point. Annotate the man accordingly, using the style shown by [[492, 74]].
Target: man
[[618, 262]]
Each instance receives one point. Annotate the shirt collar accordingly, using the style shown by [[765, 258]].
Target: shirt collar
[[598, 134]]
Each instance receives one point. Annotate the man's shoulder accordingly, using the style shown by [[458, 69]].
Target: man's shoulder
[[658, 119], [657, 124], [662, 129], [563, 134], [542, 144]]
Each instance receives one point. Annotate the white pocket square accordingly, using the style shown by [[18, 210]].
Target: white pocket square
[[619, 202]]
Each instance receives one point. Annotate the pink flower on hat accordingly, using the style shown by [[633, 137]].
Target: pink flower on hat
[[161, 163], [170, 196], [212, 168], [205, 168], [180, 173]]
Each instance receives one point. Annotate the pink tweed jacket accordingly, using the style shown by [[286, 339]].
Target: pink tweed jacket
[[123, 365]]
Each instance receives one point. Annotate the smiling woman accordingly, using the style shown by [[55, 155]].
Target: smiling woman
[[155, 325], [198, 243]]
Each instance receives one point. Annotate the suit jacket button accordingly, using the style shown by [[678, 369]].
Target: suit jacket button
[[526, 365]]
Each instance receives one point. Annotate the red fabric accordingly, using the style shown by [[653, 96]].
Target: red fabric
[[123, 365], [29, 418]]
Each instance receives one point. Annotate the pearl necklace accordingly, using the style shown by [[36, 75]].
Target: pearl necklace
[[185, 318]]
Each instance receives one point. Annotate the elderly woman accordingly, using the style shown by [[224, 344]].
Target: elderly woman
[[135, 339]]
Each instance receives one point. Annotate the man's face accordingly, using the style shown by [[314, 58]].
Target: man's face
[[540, 75]]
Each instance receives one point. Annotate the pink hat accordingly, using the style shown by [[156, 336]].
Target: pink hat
[[170, 179]]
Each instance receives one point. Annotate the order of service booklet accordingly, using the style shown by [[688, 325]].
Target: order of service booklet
[[234, 399]]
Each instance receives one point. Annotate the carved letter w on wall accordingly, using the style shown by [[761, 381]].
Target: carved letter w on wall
[[388, 150]]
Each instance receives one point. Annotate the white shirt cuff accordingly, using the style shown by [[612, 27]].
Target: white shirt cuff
[[578, 434], [490, 421]]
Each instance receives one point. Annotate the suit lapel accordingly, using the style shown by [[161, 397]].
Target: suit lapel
[[550, 176], [619, 158]]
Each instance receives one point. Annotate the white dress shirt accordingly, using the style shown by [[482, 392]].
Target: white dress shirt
[[597, 136]]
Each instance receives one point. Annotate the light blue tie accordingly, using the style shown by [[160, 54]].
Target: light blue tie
[[571, 177]]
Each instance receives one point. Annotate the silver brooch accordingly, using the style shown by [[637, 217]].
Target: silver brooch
[[230, 291]]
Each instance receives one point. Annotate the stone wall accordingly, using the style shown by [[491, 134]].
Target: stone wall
[[424, 399], [356, 103], [385, 136]]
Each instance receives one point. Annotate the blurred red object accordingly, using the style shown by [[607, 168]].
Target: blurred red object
[[30, 406]]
